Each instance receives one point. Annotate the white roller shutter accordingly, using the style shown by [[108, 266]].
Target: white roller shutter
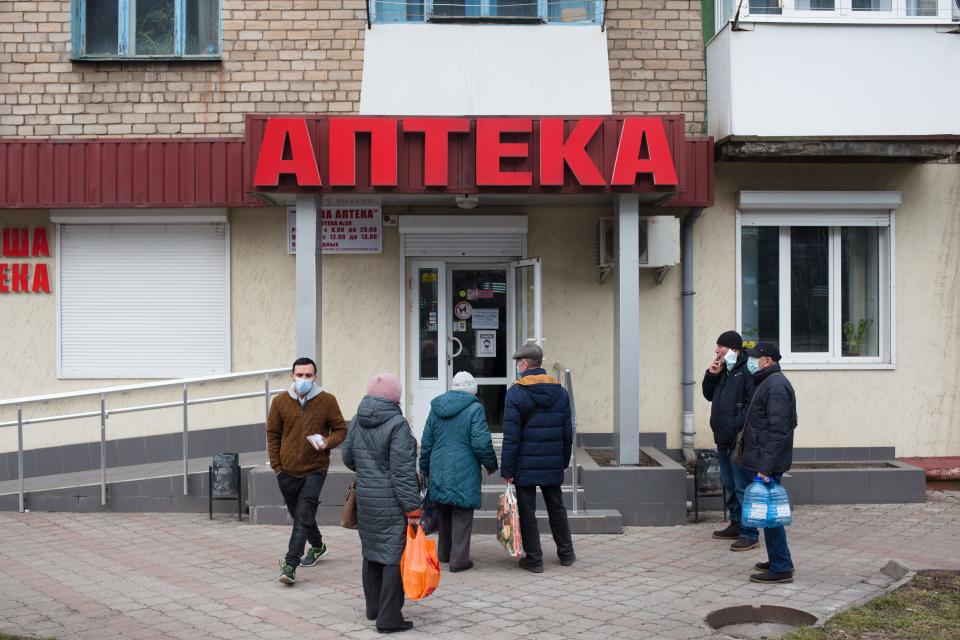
[[143, 300], [463, 244], [463, 235]]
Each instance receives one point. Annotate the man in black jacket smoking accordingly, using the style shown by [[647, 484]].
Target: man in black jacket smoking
[[729, 386]]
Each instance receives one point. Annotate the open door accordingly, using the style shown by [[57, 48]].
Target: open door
[[526, 279], [428, 331]]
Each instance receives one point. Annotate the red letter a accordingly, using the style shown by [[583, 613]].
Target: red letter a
[[271, 163], [659, 162]]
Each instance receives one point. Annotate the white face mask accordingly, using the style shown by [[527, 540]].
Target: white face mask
[[753, 364], [730, 358], [303, 385]]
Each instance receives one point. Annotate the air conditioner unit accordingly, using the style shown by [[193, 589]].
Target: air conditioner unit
[[606, 242], [659, 242]]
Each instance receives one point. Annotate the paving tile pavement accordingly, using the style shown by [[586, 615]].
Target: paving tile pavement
[[152, 576]]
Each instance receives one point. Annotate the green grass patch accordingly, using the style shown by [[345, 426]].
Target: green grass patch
[[927, 608]]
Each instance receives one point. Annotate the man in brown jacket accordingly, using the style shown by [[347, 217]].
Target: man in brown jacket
[[301, 464]]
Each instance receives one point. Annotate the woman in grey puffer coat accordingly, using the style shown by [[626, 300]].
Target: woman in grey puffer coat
[[381, 449]]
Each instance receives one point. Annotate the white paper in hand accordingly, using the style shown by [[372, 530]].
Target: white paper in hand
[[317, 441]]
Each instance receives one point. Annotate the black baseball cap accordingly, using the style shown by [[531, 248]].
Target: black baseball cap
[[769, 349]]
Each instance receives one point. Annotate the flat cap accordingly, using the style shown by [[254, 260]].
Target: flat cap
[[529, 351]]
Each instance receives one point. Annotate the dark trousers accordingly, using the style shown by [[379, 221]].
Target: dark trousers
[[778, 553], [556, 513], [302, 496], [383, 591], [456, 525], [735, 481]]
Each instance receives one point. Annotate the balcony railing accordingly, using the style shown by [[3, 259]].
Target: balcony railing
[[487, 11], [848, 11]]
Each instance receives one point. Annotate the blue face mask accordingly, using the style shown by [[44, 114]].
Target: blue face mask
[[303, 385], [730, 358], [753, 365]]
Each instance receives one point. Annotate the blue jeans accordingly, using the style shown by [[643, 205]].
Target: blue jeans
[[735, 481], [777, 551]]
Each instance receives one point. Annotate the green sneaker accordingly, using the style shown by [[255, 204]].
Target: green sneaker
[[315, 553], [288, 575]]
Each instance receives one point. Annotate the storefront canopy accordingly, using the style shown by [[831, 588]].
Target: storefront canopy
[[387, 156]]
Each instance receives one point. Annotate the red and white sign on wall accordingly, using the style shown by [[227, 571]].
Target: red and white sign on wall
[[19, 276], [350, 225], [373, 154]]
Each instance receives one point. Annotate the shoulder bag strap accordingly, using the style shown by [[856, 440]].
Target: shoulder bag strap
[[738, 445]]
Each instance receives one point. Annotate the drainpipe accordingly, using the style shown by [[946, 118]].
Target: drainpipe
[[688, 292]]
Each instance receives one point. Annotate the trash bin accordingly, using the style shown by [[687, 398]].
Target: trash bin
[[225, 481], [707, 481]]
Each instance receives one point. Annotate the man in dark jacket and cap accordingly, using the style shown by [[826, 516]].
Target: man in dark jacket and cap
[[729, 386], [537, 444], [768, 447]]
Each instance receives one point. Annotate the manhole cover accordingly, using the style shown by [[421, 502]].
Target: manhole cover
[[756, 622]]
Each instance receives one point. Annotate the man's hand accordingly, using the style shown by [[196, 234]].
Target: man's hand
[[414, 516], [508, 480], [715, 366], [763, 477]]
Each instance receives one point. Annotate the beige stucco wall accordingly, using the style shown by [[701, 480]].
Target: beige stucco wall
[[912, 407], [360, 336], [915, 406], [578, 322]]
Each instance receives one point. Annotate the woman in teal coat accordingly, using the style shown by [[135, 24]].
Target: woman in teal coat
[[456, 441]]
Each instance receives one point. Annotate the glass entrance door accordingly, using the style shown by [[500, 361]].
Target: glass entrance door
[[468, 317], [478, 326]]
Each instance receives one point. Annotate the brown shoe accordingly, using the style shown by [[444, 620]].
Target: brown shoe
[[742, 544], [732, 532]]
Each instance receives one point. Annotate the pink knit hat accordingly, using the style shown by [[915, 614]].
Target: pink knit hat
[[384, 385]]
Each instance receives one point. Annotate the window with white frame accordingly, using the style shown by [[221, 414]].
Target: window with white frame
[[839, 11], [815, 274], [143, 295], [146, 29]]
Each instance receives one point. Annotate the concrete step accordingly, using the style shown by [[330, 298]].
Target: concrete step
[[484, 522], [152, 487], [490, 497], [583, 521]]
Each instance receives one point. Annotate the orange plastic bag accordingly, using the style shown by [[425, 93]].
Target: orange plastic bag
[[419, 565]]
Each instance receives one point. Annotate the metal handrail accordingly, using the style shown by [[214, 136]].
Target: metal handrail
[[567, 383], [142, 385], [103, 413]]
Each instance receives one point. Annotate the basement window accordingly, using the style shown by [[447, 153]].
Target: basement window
[[146, 29]]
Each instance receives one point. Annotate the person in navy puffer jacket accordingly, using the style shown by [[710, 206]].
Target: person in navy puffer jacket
[[456, 442], [537, 443]]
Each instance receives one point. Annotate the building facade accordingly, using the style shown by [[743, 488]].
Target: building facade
[[142, 241]]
